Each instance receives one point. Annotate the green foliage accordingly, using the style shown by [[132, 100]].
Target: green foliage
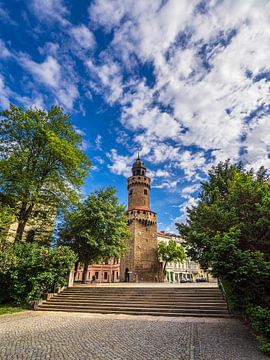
[[171, 251], [6, 218], [35, 269], [229, 233], [41, 160], [97, 230], [260, 320]]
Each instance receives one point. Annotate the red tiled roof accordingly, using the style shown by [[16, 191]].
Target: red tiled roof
[[144, 208]]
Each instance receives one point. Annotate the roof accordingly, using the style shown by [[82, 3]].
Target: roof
[[143, 208]]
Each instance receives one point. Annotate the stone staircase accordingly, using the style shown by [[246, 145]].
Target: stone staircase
[[162, 301]]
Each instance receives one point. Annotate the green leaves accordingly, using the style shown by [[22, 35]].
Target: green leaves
[[229, 231], [97, 229], [34, 269], [41, 160], [171, 251]]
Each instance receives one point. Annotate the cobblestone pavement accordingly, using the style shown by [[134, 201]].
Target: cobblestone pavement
[[56, 335]]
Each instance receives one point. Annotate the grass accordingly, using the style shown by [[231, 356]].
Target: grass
[[9, 309]]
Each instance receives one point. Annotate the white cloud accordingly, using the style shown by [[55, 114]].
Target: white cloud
[[121, 165], [4, 52], [108, 77], [98, 142], [208, 103], [48, 72], [58, 79], [50, 11], [83, 36], [162, 173], [4, 93], [166, 185]]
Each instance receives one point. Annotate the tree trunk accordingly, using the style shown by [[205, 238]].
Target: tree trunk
[[85, 271], [22, 220], [164, 271]]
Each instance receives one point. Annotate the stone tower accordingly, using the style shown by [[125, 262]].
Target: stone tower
[[140, 263]]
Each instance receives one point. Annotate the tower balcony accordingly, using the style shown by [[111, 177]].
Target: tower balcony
[[143, 215]]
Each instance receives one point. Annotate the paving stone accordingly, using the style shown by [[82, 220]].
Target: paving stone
[[65, 336]]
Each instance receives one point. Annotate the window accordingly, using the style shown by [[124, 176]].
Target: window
[[130, 192], [145, 192], [96, 275], [105, 275]]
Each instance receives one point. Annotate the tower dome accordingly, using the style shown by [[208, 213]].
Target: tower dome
[[138, 167]]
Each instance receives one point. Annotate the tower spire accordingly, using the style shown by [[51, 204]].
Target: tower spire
[[138, 158]]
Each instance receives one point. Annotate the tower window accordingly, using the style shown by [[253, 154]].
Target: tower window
[[130, 192], [143, 172], [145, 192], [138, 172]]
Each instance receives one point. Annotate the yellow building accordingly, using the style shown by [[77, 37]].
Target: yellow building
[[186, 271]]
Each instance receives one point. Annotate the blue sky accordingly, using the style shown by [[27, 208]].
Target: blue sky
[[186, 82]]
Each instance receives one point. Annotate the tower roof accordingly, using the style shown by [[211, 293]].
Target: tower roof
[[138, 166]]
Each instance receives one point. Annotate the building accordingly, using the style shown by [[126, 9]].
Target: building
[[140, 263], [181, 271], [107, 272]]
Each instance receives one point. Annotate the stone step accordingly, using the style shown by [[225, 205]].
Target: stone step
[[130, 307], [141, 301], [134, 310], [153, 301], [141, 305], [138, 298], [149, 313], [143, 290]]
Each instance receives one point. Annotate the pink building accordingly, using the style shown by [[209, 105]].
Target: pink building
[[106, 272]]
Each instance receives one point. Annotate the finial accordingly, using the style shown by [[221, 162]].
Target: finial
[[138, 158]]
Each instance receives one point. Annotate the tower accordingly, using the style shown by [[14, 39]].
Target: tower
[[140, 263]]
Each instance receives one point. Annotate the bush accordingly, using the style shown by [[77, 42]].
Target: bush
[[35, 270], [260, 321]]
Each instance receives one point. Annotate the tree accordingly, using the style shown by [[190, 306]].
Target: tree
[[168, 252], [233, 203], [41, 162], [97, 230], [229, 232], [6, 218]]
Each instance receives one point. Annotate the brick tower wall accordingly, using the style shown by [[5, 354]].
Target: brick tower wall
[[141, 258], [139, 192]]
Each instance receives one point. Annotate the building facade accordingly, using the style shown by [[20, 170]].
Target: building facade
[[140, 263], [107, 272], [186, 271]]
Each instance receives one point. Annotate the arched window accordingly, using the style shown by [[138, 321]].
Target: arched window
[[145, 192]]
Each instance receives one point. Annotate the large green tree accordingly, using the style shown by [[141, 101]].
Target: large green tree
[[169, 252], [41, 163], [97, 230], [229, 231]]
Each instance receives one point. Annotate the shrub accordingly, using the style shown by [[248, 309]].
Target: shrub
[[35, 270], [260, 321]]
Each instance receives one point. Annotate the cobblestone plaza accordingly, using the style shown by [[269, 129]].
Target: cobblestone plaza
[[56, 335]]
